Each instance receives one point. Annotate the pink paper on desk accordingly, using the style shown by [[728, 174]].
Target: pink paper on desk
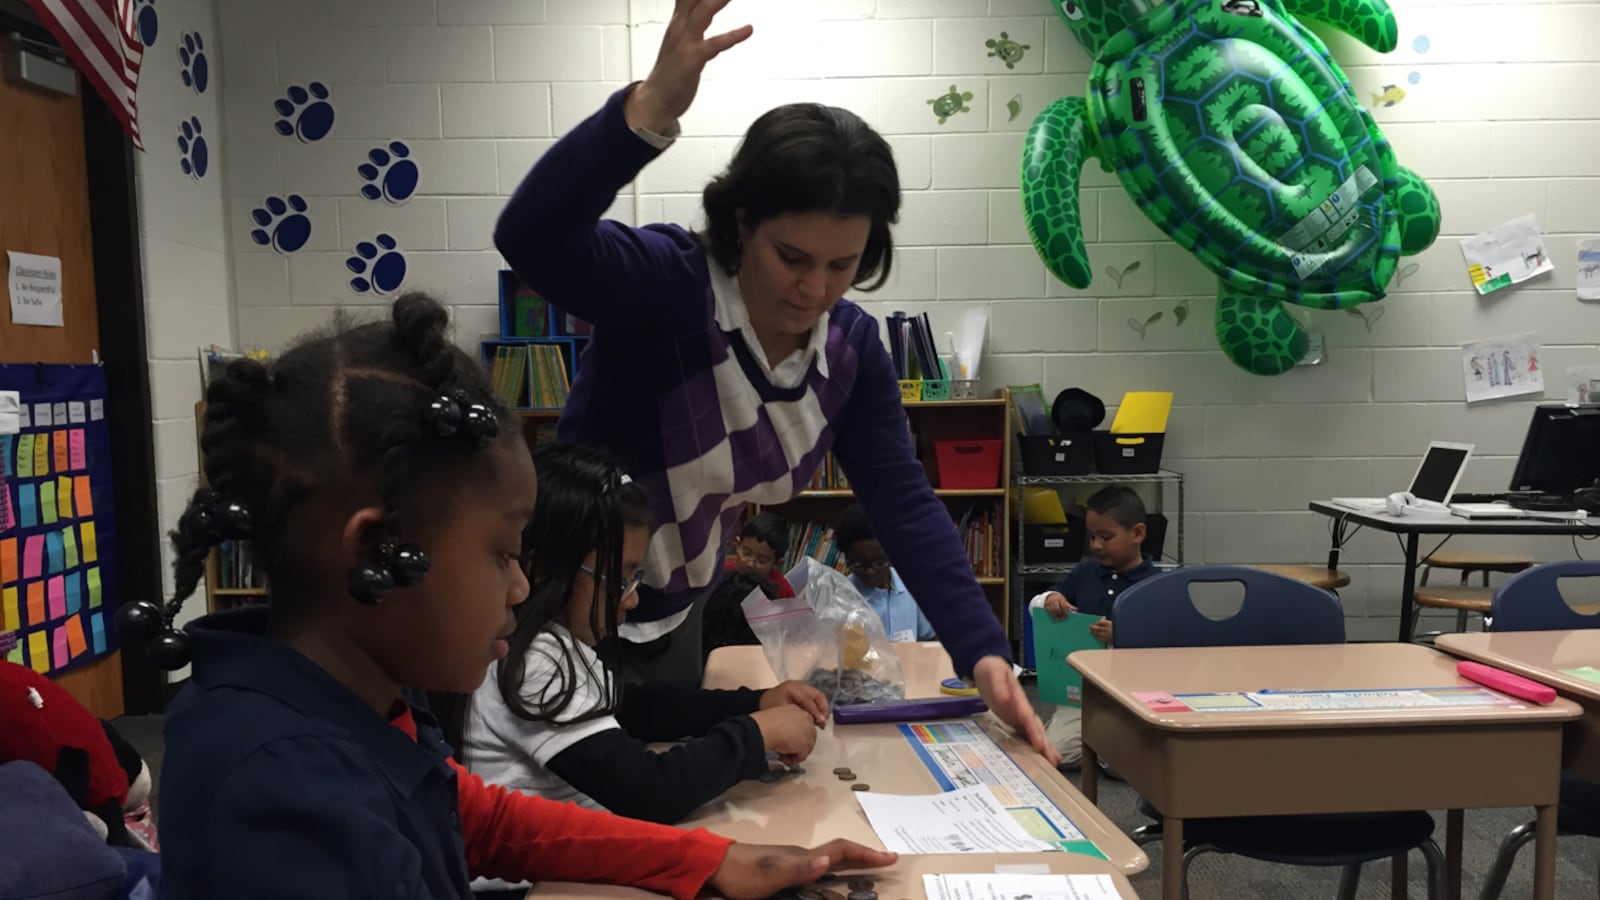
[[1160, 701], [75, 451], [33, 556], [56, 588]]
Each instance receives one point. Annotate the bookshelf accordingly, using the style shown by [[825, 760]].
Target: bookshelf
[[929, 421], [229, 580], [535, 357]]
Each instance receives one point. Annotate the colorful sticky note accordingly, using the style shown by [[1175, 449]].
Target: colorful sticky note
[[41, 455], [14, 655], [64, 497], [58, 646], [8, 516], [10, 615], [27, 506], [97, 631], [25, 457], [58, 440], [75, 640], [6, 466], [69, 542], [8, 561], [91, 545], [77, 457], [38, 652], [82, 496], [36, 603], [74, 594], [47, 503], [33, 556], [56, 550], [57, 589], [92, 577]]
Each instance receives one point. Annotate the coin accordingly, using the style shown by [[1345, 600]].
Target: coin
[[842, 770], [860, 884], [847, 776], [832, 895], [863, 895], [771, 777], [860, 787]]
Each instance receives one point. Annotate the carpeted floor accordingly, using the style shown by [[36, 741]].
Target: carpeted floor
[[1228, 878]]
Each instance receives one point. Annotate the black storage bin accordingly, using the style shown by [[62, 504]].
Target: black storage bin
[[1155, 535], [1057, 454], [1051, 544], [1127, 454]]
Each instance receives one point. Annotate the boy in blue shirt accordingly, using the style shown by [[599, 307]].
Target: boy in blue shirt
[[1115, 520], [880, 586]]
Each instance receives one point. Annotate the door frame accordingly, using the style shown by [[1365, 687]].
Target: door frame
[[124, 353]]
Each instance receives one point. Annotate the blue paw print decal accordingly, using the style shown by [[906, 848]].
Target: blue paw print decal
[[379, 266], [193, 156], [390, 174], [192, 62], [304, 112], [281, 223], [145, 21]]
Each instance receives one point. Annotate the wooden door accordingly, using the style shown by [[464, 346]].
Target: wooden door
[[44, 209]]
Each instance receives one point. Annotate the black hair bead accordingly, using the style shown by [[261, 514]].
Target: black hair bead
[[171, 650], [408, 565], [443, 416], [370, 584], [139, 621], [479, 424]]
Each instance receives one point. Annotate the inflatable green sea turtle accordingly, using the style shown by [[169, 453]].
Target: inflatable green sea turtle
[[1232, 127]]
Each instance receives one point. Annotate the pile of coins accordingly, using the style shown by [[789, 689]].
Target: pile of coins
[[844, 774], [851, 686], [860, 889], [777, 770]]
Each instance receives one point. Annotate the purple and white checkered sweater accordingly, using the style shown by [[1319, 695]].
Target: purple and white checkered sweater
[[670, 387]]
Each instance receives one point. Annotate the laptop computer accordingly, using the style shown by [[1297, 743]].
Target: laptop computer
[[1434, 483]]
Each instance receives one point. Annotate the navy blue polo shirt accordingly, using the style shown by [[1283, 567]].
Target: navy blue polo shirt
[[1093, 588], [280, 782]]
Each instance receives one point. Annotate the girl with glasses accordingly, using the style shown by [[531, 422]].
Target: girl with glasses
[[552, 719]]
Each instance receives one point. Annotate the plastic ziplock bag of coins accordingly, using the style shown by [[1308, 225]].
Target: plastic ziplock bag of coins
[[827, 636]]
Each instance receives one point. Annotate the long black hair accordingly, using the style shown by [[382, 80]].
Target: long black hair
[[586, 503], [806, 157]]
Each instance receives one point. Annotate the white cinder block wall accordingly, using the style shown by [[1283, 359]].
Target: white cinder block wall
[[187, 287], [477, 89]]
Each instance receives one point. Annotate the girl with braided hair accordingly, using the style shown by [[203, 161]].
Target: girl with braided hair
[[384, 492]]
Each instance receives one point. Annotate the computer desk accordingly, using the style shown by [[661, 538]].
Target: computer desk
[[1547, 657], [817, 807], [1292, 761], [1411, 528]]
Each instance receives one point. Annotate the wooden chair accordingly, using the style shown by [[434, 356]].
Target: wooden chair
[[1465, 598], [1316, 576]]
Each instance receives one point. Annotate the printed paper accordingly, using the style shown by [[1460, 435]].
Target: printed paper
[[1016, 887], [1507, 255], [10, 412], [1589, 270], [35, 283], [1502, 367], [969, 820], [1583, 385]]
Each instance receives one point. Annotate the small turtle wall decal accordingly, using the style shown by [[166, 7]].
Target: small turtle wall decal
[[950, 103], [1006, 50]]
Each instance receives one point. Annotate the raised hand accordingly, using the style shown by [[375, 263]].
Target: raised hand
[[669, 89]]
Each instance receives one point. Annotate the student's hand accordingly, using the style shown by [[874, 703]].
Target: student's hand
[[755, 870], [1101, 631], [1057, 606], [669, 89], [998, 685], [798, 693], [787, 730]]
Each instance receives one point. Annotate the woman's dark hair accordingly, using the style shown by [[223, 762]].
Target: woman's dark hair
[[345, 407], [851, 526], [769, 529], [806, 157], [585, 504]]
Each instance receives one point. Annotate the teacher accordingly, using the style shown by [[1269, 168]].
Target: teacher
[[725, 364]]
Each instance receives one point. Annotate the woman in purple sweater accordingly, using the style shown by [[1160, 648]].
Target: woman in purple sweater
[[725, 365]]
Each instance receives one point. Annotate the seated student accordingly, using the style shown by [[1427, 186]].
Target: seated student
[[877, 581], [1116, 524], [550, 719], [759, 550], [725, 624], [384, 490]]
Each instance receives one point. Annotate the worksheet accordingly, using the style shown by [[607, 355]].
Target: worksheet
[[964, 821], [1018, 887]]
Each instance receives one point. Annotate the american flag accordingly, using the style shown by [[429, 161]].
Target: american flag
[[100, 38]]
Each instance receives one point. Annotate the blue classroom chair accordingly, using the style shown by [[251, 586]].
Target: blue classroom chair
[[1159, 612], [1531, 601]]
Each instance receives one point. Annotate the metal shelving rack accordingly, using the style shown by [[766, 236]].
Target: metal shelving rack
[[1160, 479]]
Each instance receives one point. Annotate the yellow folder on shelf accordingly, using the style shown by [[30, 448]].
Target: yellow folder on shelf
[[1042, 506], [1143, 412]]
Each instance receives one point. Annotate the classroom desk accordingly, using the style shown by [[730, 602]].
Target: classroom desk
[[1412, 528], [1542, 655], [1192, 765], [816, 807]]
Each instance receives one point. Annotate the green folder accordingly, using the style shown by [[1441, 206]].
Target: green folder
[[1053, 641]]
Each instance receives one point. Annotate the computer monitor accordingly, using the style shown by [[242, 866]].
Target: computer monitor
[[1440, 472], [1561, 452]]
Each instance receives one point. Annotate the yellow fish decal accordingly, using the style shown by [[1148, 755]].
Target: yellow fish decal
[[1389, 96]]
